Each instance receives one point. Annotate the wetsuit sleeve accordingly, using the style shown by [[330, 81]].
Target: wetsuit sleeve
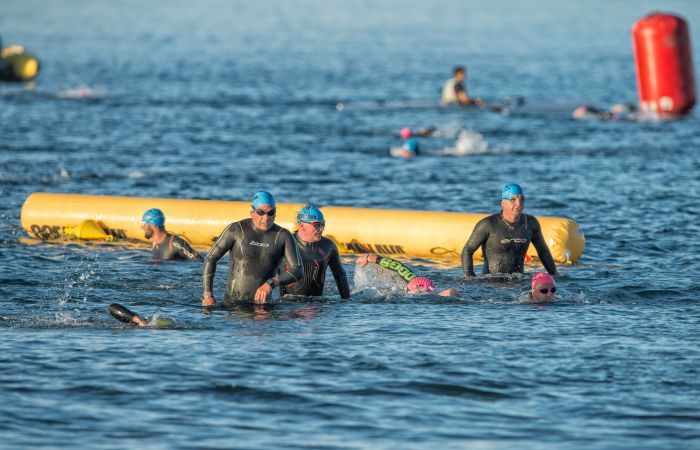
[[542, 249], [394, 265], [222, 245], [341, 279], [294, 269], [185, 250], [476, 240]]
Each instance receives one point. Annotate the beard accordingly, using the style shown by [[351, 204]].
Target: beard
[[148, 233]]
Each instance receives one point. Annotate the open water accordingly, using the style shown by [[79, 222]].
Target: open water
[[216, 100]]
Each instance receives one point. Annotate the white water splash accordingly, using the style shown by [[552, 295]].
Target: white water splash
[[468, 142]]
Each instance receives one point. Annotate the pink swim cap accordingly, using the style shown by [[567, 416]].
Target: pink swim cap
[[419, 284], [540, 278], [406, 133]]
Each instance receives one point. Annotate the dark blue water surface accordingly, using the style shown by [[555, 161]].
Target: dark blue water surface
[[218, 99]]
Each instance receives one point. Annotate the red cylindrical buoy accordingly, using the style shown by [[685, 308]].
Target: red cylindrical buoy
[[665, 76]]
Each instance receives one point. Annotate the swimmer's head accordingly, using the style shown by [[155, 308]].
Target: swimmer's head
[[543, 287], [411, 145], [311, 223], [310, 214], [154, 216], [263, 198], [406, 133], [263, 210], [510, 190], [420, 284]]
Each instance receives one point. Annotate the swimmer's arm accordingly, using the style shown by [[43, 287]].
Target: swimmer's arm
[[396, 266], [222, 245], [294, 268], [341, 278], [542, 249], [475, 241], [185, 250]]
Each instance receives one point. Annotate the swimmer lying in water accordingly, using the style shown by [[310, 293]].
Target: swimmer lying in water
[[618, 111], [414, 283], [542, 291]]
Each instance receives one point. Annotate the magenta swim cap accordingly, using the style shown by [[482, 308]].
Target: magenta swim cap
[[420, 284], [406, 133], [540, 278]]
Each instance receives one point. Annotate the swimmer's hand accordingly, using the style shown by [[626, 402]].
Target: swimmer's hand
[[208, 299], [366, 259], [451, 292], [140, 321], [262, 293]]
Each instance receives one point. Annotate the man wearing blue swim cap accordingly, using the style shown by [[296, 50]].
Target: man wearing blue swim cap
[[505, 238], [165, 245], [257, 247], [318, 253]]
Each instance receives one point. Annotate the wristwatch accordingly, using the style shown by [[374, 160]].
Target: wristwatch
[[271, 283]]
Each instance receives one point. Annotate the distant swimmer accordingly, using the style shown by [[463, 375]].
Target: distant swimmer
[[257, 247], [409, 149], [165, 245], [505, 238], [542, 291], [318, 253], [407, 133], [400, 272], [618, 111], [454, 91]]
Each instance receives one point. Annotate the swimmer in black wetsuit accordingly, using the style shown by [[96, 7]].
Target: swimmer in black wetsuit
[[317, 254], [257, 246], [505, 238], [414, 283], [165, 245]]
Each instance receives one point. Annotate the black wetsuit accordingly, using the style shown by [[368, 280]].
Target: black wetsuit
[[317, 257], [174, 247], [255, 257], [505, 246]]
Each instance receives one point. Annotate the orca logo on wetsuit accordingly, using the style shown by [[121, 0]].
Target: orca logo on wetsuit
[[183, 250], [515, 240], [259, 244]]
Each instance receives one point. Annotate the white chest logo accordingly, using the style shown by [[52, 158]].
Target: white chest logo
[[259, 244], [514, 240]]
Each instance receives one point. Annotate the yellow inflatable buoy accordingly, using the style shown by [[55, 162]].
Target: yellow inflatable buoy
[[413, 234], [17, 64]]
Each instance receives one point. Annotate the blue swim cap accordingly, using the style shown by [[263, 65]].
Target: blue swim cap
[[411, 145], [154, 216], [511, 189], [310, 214], [263, 198]]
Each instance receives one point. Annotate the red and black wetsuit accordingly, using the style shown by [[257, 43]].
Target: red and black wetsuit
[[316, 258]]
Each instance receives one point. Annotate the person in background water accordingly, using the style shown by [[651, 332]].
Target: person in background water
[[543, 289], [409, 149], [414, 283], [407, 133], [317, 254], [618, 111], [505, 238], [165, 245], [257, 246], [454, 91]]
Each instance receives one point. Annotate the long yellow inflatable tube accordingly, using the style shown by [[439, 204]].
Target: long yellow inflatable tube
[[415, 234]]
